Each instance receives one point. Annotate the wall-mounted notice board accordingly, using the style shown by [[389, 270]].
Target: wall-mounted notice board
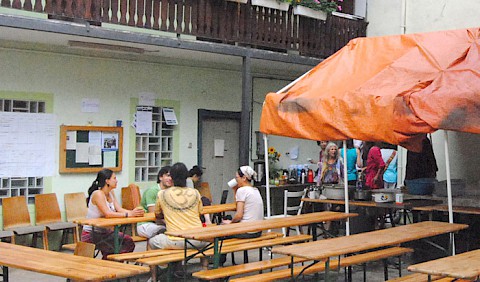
[[85, 149]]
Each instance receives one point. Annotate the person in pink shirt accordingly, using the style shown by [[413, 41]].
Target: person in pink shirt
[[375, 167]]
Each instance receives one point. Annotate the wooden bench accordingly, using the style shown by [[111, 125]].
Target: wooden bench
[[233, 270], [152, 261], [421, 277], [153, 253], [334, 264]]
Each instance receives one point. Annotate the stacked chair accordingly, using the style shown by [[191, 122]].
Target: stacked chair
[[17, 219], [47, 213], [75, 208]]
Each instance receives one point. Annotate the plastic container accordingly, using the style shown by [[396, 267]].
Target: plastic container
[[420, 186], [458, 188]]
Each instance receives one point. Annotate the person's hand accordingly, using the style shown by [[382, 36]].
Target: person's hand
[[226, 221], [137, 212]]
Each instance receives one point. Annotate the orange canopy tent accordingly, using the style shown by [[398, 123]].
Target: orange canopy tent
[[392, 88]]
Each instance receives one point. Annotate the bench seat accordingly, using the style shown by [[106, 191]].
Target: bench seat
[[334, 264], [153, 253], [421, 277], [233, 270], [225, 249]]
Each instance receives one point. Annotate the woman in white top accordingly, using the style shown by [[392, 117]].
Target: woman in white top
[[102, 203]]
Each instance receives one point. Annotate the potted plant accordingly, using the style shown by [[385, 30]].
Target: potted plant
[[317, 9], [273, 4]]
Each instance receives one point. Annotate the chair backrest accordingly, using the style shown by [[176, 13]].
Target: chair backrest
[[223, 200], [297, 198], [84, 249], [15, 212], [75, 206], [47, 209], [204, 190], [131, 197]]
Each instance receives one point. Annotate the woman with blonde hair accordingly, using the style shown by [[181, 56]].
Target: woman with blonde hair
[[332, 166]]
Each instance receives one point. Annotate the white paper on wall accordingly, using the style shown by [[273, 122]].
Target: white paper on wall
[[90, 105], [27, 143], [219, 147]]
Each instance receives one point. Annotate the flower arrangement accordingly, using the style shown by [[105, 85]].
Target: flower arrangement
[[273, 155], [327, 6], [273, 158]]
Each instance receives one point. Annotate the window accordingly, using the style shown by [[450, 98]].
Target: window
[[21, 186], [153, 150]]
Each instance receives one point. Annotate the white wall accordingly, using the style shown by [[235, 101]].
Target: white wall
[[114, 82], [385, 18]]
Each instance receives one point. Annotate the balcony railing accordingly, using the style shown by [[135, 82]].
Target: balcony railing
[[217, 20]]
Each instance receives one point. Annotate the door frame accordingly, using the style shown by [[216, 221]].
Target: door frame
[[212, 114]]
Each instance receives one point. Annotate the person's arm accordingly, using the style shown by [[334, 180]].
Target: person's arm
[[159, 218], [359, 158], [239, 213], [377, 158], [99, 199]]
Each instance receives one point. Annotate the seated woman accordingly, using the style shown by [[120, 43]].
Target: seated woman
[[248, 199], [102, 203]]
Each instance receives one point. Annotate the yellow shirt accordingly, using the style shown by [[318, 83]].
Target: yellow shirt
[[181, 208]]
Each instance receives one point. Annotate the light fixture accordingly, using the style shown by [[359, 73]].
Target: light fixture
[[106, 47]]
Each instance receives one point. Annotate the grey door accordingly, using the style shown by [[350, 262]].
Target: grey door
[[218, 170]]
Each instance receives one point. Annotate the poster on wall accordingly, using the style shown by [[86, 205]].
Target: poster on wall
[[28, 142]]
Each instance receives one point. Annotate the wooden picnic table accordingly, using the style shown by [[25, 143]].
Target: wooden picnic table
[[218, 232], [116, 222], [444, 208], [64, 265], [465, 266], [324, 249]]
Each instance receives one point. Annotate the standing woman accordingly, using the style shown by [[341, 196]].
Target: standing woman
[[102, 203], [375, 167], [332, 166]]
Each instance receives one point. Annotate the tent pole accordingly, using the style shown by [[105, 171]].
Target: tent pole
[[449, 190], [292, 83], [345, 186], [267, 176]]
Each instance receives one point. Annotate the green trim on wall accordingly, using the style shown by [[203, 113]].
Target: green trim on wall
[[131, 148]]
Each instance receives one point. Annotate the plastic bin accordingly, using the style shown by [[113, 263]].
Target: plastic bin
[[420, 186], [458, 188]]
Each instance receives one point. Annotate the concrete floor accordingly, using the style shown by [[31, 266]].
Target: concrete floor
[[374, 270]]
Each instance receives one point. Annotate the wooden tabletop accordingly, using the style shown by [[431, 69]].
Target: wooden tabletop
[[444, 208], [211, 232], [465, 265], [113, 221], [322, 249], [340, 202], [219, 208], [408, 204], [65, 265]]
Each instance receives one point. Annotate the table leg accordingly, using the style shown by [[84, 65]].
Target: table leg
[[327, 269], [5, 273], [292, 274], [314, 231], [216, 254], [116, 243]]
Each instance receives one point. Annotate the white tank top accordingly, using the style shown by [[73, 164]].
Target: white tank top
[[94, 212]]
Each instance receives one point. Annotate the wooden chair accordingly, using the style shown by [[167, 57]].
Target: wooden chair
[[131, 198], [47, 213], [75, 208], [17, 219], [6, 234], [204, 190], [84, 249]]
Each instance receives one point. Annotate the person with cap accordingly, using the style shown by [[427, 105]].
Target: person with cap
[[248, 199]]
